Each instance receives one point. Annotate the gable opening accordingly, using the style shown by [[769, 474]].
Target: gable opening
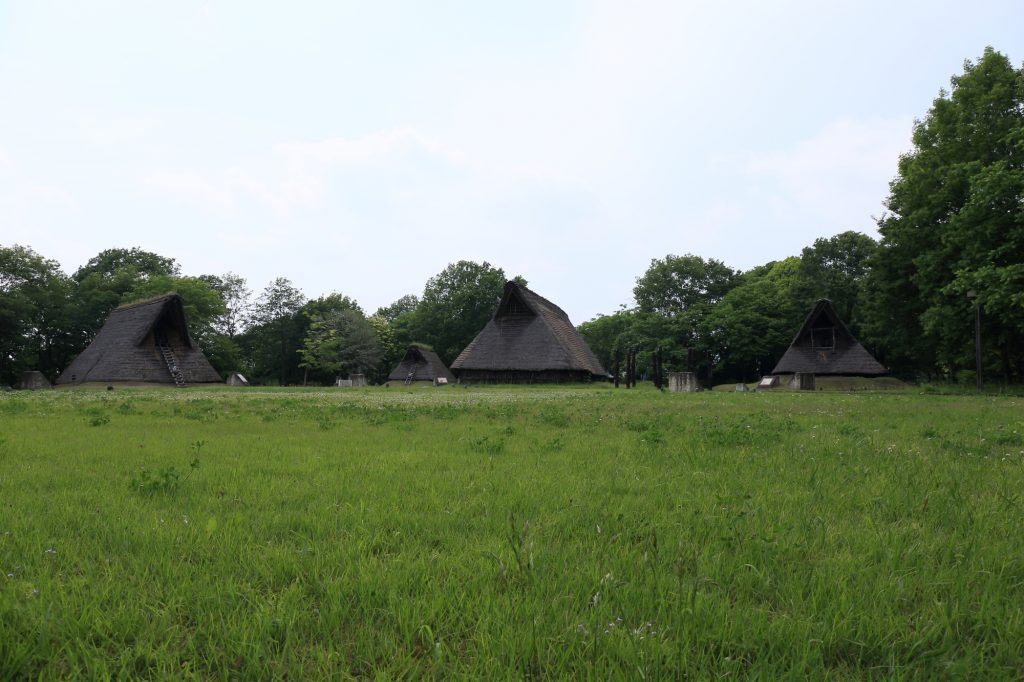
[[823, 338], [516, 306], [167, 332]]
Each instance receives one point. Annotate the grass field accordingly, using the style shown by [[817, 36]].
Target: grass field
[[500, 533]]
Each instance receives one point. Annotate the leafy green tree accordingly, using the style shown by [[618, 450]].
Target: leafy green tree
[[329, 304], [237, 299], [456, 304], [675, 284], [607, 335], [404, 305], [956, 223], [750, 329], [340, 342], [35, 329], [318, 310], [673, 297], [275, 334], [111, 262], [390, 351]]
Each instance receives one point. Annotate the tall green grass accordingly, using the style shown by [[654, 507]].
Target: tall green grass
[[510, 533]]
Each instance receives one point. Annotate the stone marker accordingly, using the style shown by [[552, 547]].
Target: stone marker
[[683, 382]]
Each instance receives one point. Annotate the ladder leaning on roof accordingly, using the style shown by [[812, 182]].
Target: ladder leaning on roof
[[172, 366]]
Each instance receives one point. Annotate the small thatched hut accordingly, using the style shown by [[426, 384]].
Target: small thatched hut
[[421, 365], [34, 380], [237, 379], [824, 346], [529, 340], [145, 342]]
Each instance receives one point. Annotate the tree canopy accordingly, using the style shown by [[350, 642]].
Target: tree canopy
[[956, 224]]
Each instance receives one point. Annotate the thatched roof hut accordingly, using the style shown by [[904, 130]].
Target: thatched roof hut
[[34, 380], [825, 346], [421, 364], [529, 340], [145, 342]]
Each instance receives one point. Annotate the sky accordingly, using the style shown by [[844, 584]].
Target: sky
[[361, 147]]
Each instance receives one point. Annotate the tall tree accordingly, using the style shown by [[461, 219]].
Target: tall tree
[[35, 327], [609, 336], [956, 223], [456, 304], [750, 329], [675, 284], [237, 299], [674, 296], [404, 305], [276, 333], [340, 342], [390, 351]]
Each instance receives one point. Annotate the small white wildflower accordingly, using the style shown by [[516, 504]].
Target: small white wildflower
[[50, 550]]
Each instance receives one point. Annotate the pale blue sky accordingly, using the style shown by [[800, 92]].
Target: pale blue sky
[[361, 147]]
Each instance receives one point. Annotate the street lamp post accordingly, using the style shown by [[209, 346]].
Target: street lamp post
[[971, 296]]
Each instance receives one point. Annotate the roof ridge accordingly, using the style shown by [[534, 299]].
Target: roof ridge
[[150, 301]]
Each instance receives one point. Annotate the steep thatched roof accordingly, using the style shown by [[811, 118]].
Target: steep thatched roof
[[528, 333], [126, 350], [423, 364], [825, 346]]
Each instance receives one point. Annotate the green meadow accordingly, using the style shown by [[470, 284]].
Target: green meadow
[[510, 533]]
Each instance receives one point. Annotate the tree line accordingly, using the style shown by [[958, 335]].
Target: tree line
[[954, 225], [275, 337]]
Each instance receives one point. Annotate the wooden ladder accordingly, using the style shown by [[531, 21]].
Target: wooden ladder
[[172, 366]]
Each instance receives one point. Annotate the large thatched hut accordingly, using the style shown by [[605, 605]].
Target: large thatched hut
[[146, 342], [421, 365], [529, 340], [824, 346]]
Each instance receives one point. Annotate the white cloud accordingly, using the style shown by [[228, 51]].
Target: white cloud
[[836, 178], [291, 177]]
